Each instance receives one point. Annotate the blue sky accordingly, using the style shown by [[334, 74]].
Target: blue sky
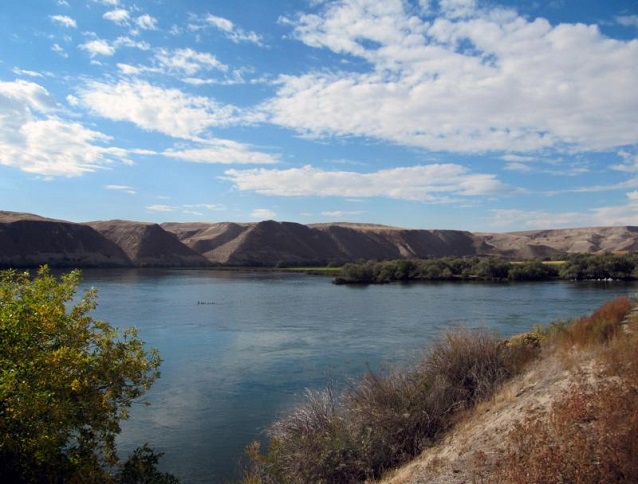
[[450, 114]]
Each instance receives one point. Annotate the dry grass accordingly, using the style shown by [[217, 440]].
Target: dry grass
[[538, 428], [591, 433], [381, 421]]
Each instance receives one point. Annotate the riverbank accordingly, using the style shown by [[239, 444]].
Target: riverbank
[[566, 410]]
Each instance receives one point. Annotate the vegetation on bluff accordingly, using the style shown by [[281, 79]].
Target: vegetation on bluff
[[66, 382], [382, 421], [573, 267]]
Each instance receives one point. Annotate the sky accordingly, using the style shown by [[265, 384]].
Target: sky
[[476, 115]]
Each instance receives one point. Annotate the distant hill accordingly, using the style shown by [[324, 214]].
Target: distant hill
[[147, 244], [28, 240]]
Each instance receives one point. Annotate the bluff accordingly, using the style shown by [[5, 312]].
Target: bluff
[[148, 245], [28, 240]]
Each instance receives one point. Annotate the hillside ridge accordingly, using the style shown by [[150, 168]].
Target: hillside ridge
[[28, 240]]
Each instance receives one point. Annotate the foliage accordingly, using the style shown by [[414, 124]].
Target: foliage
[[66, 380], [141, 468], [575, 267], [380, 421], [605, 266], [591, 433]]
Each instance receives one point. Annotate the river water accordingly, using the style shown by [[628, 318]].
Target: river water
[[239, 348]]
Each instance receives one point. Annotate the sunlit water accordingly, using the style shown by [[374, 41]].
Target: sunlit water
[[236, 363]]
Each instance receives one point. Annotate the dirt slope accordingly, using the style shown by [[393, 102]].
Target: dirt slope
[[470, 452], [28, 240], [148, 245]]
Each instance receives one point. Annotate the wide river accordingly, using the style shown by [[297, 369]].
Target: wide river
[[239, 348]]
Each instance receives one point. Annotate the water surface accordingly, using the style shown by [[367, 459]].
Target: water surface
[[239, 348]]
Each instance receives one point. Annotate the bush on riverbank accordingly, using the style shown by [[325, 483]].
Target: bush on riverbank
[[591, 432], [574, 267], [383, 421]]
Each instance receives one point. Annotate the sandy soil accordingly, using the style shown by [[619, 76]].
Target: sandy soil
[[469, 453]]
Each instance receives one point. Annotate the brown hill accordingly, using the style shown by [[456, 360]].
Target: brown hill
[[542, 243], [270, 242], [149, 245], [28, 240]]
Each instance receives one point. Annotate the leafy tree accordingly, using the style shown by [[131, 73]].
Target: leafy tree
[[66, 380]]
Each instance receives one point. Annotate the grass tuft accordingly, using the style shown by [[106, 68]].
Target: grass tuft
[[381, 421]]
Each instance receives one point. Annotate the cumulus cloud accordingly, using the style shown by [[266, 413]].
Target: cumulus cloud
[[64, 20], [146, 22], [119, 16], [468, 79], [97, 47], [429, 183], [153, 108], [35, 140], [188, 61]]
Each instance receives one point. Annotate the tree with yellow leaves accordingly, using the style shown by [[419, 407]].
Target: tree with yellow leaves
[[66, 381]]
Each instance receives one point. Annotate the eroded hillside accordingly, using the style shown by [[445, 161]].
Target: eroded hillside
[[31, 240]]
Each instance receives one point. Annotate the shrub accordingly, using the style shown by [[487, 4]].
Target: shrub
[[600, 327], [66, 381], [590, 435], [380, 421]]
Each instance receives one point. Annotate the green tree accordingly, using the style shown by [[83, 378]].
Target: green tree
[[66, 380]]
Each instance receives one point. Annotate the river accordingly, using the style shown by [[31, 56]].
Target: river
[[240, 347]]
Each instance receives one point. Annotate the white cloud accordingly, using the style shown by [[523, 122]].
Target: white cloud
[[188, 61], [629, 164], [121, 188], [520, 167], [614, 215], [342, 214], [207, 206], [229, 29], [472, 80], [97, 47], [188, 208], [25, 72], [119, 16], [628, 20], [220, 151], [530, 219], [263, 214], [128, 42], [168, 111], [430, 183], [59, 50], [35, 140], [160, 208], [146, 22], [64, 20]]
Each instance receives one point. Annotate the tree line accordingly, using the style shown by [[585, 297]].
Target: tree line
[[572, 267]]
